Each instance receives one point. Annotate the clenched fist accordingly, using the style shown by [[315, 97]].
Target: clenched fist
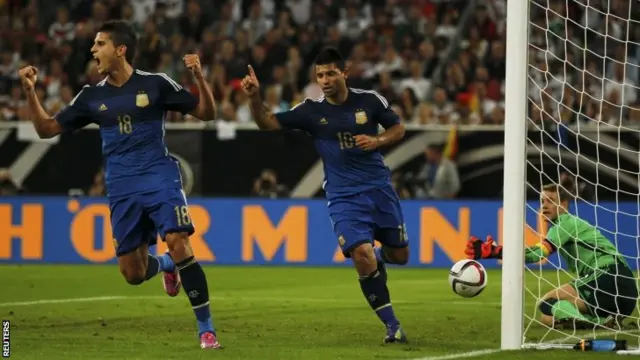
[[192, 62], [28, 77], [366, 142], [250, 84]]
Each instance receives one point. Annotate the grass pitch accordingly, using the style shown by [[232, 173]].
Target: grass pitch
[[89, 312]]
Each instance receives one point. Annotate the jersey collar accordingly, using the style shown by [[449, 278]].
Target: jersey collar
[[562, 217], [107, 84]]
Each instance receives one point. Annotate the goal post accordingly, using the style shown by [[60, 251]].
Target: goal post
[[514, 193]]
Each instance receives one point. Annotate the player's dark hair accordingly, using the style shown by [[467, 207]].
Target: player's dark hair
[[329, 56], [122, 33], [564, 190]]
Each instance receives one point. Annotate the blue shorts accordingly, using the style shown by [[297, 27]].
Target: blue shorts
[[371, 215], [138, 219]]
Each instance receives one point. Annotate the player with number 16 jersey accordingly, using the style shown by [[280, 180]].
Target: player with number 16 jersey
[[363, 206], [143, 181]]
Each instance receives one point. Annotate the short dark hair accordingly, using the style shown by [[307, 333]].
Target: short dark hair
[[565, 190], [330, 55], [122, 33]]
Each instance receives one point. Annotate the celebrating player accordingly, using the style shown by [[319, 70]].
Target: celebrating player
[[605, 290], [363, 205], [143, 181]]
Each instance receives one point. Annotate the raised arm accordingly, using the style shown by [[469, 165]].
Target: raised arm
[[261, 114], [176, 98], [45, 125], [206, 109]]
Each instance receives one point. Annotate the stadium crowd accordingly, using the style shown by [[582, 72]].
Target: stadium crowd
[[397, 47], [583, 60], [434, 65], [436, 61]]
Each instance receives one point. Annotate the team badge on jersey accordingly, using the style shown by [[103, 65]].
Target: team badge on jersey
[[142, 100], [341, 240], [361, 117]]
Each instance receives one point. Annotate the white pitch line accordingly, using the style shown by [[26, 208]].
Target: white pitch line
[[62, 301], [227, 298], [461, 355], [493, 351]]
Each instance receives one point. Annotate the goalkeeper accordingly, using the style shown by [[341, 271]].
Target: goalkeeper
[[605, 289]]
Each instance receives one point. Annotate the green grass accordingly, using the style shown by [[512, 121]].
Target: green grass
[[260, 312]]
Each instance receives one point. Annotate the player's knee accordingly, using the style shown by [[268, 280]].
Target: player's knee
[[363, 254], [546, 320], [399, 256], [133, 276], [546, 306], [179, 246]]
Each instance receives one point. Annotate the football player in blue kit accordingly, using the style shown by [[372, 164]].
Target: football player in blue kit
[[363, 205], [143, 181]]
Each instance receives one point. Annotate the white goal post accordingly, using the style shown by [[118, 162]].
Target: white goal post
[[585, 75], [514, 175]]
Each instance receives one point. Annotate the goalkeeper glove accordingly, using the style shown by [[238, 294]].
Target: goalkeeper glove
[[478, 249]]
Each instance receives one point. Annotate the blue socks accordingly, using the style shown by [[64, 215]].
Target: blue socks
[[195, 286], [166, 263], [157, 264]]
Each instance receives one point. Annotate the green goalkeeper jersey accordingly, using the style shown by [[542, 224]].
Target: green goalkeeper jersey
[[582, 245]]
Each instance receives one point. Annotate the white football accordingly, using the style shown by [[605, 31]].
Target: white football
[[467, 278]]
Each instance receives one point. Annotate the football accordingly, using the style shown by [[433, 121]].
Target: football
[[467, 278]]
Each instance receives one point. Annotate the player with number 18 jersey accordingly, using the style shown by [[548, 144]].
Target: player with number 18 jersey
[[143, 181]]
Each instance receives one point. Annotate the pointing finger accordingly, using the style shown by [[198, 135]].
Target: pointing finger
[[251, 72]]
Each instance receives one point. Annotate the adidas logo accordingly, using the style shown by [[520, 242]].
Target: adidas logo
[[102, 107], [323, 121]]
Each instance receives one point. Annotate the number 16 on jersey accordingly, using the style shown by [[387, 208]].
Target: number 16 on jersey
[[346, 140]]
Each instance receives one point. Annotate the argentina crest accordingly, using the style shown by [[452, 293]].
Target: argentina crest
[[142, 100], [361, 117]]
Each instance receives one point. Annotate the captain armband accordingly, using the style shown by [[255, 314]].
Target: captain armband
[[538, 252]]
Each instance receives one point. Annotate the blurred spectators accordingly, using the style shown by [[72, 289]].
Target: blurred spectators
[[266, 185], [570, 84], [438, 178], [434, 65], [394, 46]]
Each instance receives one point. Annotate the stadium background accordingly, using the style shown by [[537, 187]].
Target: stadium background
[[256, 197]]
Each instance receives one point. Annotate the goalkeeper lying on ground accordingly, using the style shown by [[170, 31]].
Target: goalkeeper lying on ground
[[605, 289]]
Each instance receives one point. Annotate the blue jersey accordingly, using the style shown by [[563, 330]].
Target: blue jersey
[[347, 169], [131, 120]]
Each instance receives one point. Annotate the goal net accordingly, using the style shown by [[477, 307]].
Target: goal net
[[583, 131]]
